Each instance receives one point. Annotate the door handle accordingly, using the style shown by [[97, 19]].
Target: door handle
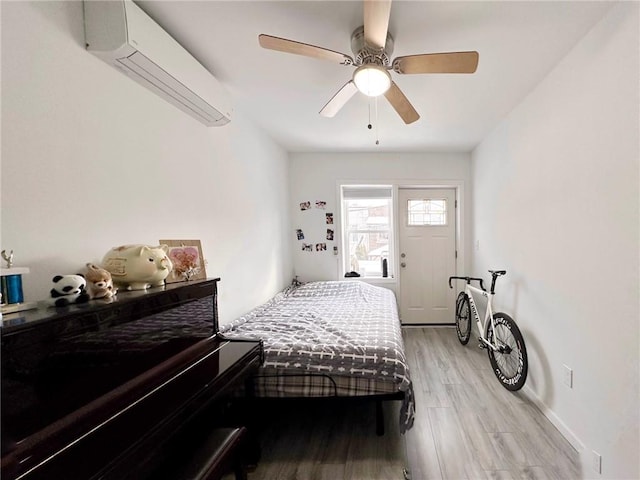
[[403, 264]]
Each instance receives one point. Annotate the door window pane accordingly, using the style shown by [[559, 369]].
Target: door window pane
[[426, 212]]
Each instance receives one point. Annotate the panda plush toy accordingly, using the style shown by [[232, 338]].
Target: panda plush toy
[[68, 289]]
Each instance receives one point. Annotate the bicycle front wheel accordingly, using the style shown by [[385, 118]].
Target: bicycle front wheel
[[463, 318], [509, 362]]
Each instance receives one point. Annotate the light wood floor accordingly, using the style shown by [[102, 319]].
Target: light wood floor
[[467, 427]]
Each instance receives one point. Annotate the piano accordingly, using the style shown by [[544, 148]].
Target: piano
[[106, 389]]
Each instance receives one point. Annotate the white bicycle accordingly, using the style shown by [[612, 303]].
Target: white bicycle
[[499, 333]]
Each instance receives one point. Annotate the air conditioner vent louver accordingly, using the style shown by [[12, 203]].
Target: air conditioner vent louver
[[179, 94]]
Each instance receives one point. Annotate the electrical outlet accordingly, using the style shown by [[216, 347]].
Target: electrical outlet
[[596, 462], [568, 376]]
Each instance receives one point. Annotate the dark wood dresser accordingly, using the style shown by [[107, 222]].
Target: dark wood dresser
[[101, 390]]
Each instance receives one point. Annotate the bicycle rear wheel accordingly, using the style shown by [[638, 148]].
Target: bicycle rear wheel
[[463, 318], [510, 363]]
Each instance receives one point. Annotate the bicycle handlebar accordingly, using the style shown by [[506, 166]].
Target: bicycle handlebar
[[494, 274], [468, 280]]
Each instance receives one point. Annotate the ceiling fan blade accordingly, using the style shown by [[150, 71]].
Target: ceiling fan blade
[[401, 105], [376, 22], [338, 101], [455, 62], [291, 46]]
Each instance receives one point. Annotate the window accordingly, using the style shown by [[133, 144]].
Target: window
[[367, 230], [426, 212]]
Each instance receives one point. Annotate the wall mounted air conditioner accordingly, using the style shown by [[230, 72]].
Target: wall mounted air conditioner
[[121, 34]]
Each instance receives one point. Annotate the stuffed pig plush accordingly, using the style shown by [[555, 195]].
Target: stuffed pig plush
[[138, 267]]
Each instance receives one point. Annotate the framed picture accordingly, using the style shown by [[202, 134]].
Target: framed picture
[[188, 261]]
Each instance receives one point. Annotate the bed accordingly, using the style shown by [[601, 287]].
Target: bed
[[330, 339]]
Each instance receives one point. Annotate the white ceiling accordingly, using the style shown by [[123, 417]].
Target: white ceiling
[[518, 42]]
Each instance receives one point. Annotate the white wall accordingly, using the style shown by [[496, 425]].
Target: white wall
[[556, 201], [91, 160], [315, 176]]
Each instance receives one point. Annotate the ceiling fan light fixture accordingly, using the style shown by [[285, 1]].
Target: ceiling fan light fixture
[[371, 79]]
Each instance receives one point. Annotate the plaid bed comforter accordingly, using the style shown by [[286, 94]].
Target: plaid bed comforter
[[338, 328]]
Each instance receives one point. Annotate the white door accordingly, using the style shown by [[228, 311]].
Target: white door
[[427, 231]]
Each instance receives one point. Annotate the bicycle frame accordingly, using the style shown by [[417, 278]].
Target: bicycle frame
[[488, 316], [506, 348]]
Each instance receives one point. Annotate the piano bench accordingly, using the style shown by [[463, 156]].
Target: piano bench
[[220, 453]]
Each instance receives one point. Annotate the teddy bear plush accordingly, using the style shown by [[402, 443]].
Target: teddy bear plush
[[68, 289], [99, 282]]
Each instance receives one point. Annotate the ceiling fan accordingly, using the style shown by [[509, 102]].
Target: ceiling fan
[[372, 46]]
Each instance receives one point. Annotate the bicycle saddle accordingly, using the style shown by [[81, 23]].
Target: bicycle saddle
[[498, 272]]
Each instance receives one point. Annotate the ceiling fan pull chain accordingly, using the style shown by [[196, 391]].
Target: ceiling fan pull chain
[[377, 141], [369, 126]]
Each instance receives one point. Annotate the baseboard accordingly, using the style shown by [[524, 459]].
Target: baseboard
[[554, 419], [586, 467], [423, 325]]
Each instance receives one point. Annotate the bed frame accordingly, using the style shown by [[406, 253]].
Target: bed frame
[[335, 339], [378, 398]]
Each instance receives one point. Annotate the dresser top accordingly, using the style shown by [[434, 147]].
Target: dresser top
[[13, 323]]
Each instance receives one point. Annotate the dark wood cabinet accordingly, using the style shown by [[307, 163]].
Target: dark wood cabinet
[[98, 390]]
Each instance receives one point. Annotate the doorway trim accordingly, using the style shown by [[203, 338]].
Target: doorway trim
[[460, 219]]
